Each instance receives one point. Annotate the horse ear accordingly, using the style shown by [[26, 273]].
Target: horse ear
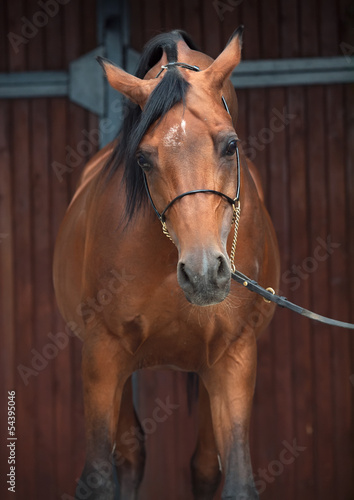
[[227, 61], [130, 86]]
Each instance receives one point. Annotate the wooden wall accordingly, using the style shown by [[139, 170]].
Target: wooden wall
[[303, 390], [33, 200]]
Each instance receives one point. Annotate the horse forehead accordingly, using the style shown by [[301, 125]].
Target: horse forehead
[[175, 134], [191, 125]]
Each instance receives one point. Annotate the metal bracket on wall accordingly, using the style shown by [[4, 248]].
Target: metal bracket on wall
[[87, 82], [82, 84]]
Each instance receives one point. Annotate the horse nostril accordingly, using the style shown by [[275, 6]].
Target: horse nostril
[[183, 274], [223, 271], [185, 277], [221, 266], [204, 281]]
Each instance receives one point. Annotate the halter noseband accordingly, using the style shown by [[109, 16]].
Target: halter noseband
[[234, 202], [161, 215]]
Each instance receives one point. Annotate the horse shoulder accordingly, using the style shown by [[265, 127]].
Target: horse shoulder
[[70, 243], [256, 179]]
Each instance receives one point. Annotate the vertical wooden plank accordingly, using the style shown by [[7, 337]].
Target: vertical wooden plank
[[54, 51], [347, 35], [277, 201], [301, 340], [23, 254], [263, 445], [319, 278], [171, 15], [280, 328], [41, 276], [192, 20], [42, 285], [65, 443], [153, 19], [136, 25], [211, 37], [341, 431], [16, 49], [89, 28], [63, 129], [301, 330], [341, 358], [4, 40], [319, 272], [231, 19], [7, 306]]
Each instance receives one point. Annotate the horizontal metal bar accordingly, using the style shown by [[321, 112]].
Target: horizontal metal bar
[[302, 64], [286, 72], [34, 84], [249, 74]]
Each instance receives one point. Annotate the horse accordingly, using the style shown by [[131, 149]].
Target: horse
[[140, 300]]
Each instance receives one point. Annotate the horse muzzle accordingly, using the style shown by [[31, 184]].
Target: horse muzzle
[[204, 277]]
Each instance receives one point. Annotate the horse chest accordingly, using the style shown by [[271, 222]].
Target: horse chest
[[187, 340]]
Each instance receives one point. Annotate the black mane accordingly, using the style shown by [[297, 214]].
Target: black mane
[[171, 90]]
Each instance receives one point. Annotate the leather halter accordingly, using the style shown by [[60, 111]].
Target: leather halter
[[232, 201], [268, 294]]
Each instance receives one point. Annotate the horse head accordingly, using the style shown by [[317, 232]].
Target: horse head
[[186, 143]]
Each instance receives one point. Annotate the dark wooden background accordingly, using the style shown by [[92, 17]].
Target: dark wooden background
[[304, 392]]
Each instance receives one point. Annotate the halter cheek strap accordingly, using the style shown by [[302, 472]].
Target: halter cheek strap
[[234, 202]]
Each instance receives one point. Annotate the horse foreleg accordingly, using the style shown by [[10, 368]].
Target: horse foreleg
[[129, 454], [206, 474], [230, 384], [103, 383]]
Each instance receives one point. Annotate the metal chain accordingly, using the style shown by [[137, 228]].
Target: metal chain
[[236, 221], [165, 231]]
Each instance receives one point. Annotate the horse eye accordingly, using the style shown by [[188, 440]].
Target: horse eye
[[143, 162], [231, 148]]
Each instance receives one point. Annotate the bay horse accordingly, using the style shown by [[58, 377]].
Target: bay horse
[[139, 300]]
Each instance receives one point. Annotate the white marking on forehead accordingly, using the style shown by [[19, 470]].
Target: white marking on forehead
[[173, 136], [183, 125]]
